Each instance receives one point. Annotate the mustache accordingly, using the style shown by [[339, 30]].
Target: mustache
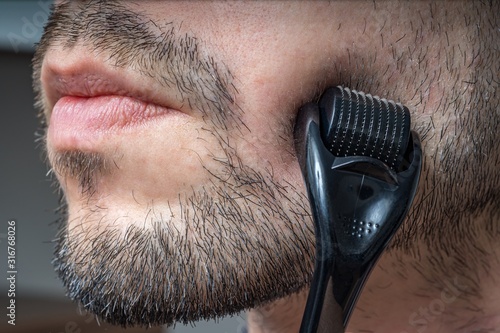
[[177, 61]]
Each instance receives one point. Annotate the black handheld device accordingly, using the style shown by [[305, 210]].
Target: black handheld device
[[361, 164]]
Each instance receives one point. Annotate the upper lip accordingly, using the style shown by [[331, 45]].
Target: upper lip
[[87, 77]]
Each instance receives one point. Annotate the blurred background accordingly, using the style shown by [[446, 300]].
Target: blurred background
[[26, 195]]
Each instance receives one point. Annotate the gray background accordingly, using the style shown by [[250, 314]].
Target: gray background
[[26, 194]]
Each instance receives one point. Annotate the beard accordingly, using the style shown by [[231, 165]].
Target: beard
[[246, 238], [243, 241]]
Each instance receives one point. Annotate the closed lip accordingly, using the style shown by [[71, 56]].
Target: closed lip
[[85, 99], [87, 78]]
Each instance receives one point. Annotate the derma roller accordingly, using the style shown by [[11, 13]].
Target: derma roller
[[361, 165]]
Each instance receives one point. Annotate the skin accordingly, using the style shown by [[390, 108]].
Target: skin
[[205, 214]]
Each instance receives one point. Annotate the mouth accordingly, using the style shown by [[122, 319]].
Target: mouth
[[104, 120], [85, 101]]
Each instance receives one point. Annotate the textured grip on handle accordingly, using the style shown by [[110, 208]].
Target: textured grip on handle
[[358, 124]]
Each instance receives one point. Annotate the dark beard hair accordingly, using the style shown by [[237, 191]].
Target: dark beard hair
[[226, 260], [231, 255]]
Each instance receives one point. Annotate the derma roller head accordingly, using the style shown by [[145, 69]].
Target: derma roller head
[[357, 124], [361, 165]]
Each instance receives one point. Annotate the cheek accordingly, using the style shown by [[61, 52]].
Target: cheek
[[269, 147], [160, 167]]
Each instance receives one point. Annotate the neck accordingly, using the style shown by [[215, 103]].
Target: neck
[[281, 316], [402, 297], [427, 290]]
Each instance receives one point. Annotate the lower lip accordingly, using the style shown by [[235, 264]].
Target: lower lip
[[77, 121]]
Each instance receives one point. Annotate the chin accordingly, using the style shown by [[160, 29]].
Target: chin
[[201, 256]]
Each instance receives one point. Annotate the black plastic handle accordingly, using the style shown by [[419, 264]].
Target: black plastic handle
[[358, 203]]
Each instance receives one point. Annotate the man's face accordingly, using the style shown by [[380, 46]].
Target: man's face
[[170, 130]]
